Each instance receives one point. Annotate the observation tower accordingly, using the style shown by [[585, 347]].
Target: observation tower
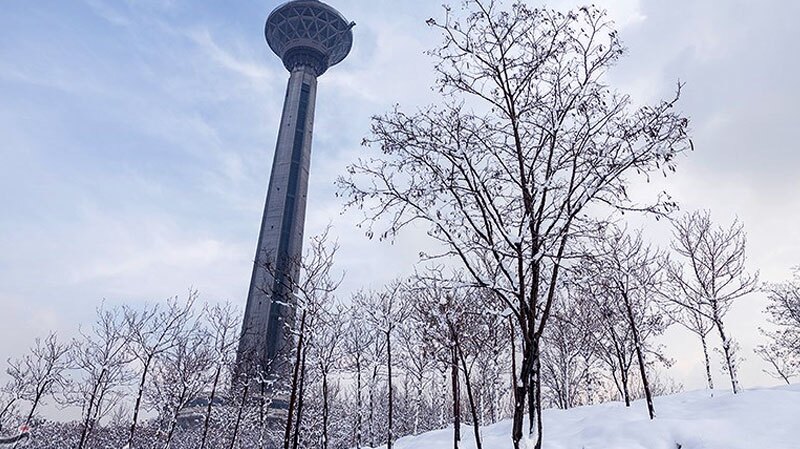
[[310, 37]]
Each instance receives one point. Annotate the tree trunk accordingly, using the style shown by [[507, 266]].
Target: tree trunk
[[138, 403], [97, 411], [726, 350], [534, 395], [637, 344], [475, 423], [520, 396], [707, 360], [207, 420], [645, 383], [418, 407], [324, 409], [239, 413], [36, 400], [262, 413], [625, 393], [34, 405], [538, 386], [89, 410], [300, 401], [358, 402], [390, 430], [287, 435], [173, 423], [443, 404], [531, 405], [456, 397], [372, 405], [517, 388]]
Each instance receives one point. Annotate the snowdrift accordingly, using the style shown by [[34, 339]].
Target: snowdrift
[[766, 418]]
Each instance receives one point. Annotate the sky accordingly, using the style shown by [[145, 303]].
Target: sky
[[136, 138]]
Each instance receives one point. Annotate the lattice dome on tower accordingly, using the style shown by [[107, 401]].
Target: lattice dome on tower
[[309, 32]]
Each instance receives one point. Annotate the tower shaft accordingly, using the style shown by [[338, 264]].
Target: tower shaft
[[310, 37], [269, 313]]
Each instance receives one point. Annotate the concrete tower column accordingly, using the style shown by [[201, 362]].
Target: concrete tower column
[[270, 303], [309, 36]]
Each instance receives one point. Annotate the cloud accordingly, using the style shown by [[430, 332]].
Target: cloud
[[108, 13], [249, 69]]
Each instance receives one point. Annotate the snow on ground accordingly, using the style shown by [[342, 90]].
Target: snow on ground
[[767, 418]]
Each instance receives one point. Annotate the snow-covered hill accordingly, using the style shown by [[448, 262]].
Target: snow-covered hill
[[754, 419]]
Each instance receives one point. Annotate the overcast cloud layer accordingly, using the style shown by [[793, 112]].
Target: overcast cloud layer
[[136, 138]]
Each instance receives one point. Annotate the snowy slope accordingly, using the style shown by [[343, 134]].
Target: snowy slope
[[753, 419]]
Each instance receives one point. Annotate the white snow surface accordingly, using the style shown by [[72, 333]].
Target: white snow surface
[[763, 418]]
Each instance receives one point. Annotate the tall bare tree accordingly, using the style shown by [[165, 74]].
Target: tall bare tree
[[327, 352], [313, 292], [42, 371], [101, 358], [362, 301], [222, 322], [417, 363], [526, 136], [627, 275], [153, 331], [181, 374], [436, 316], [385, 310], [358, 342], [458, 324], [713, 275]]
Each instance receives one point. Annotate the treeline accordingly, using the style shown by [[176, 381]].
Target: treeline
[[422, 353]]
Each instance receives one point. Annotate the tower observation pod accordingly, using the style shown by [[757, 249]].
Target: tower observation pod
[[310, 37]]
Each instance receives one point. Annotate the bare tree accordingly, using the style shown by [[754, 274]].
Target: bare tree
[[11, 394], [455, 321], [313, 292], [783, 351], [692, 320], [327, 350], [181, 374], [240, 402], [41, 372], [358, 342], [527, 135], [362, 301], [627, 275], [222, 321], [101, 357], [713, 276], [385, 310], [569, 356], [154, 331], [417, 363], [613, 342], [434, 311], [782, 364], [465, 320], [492, 365]]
